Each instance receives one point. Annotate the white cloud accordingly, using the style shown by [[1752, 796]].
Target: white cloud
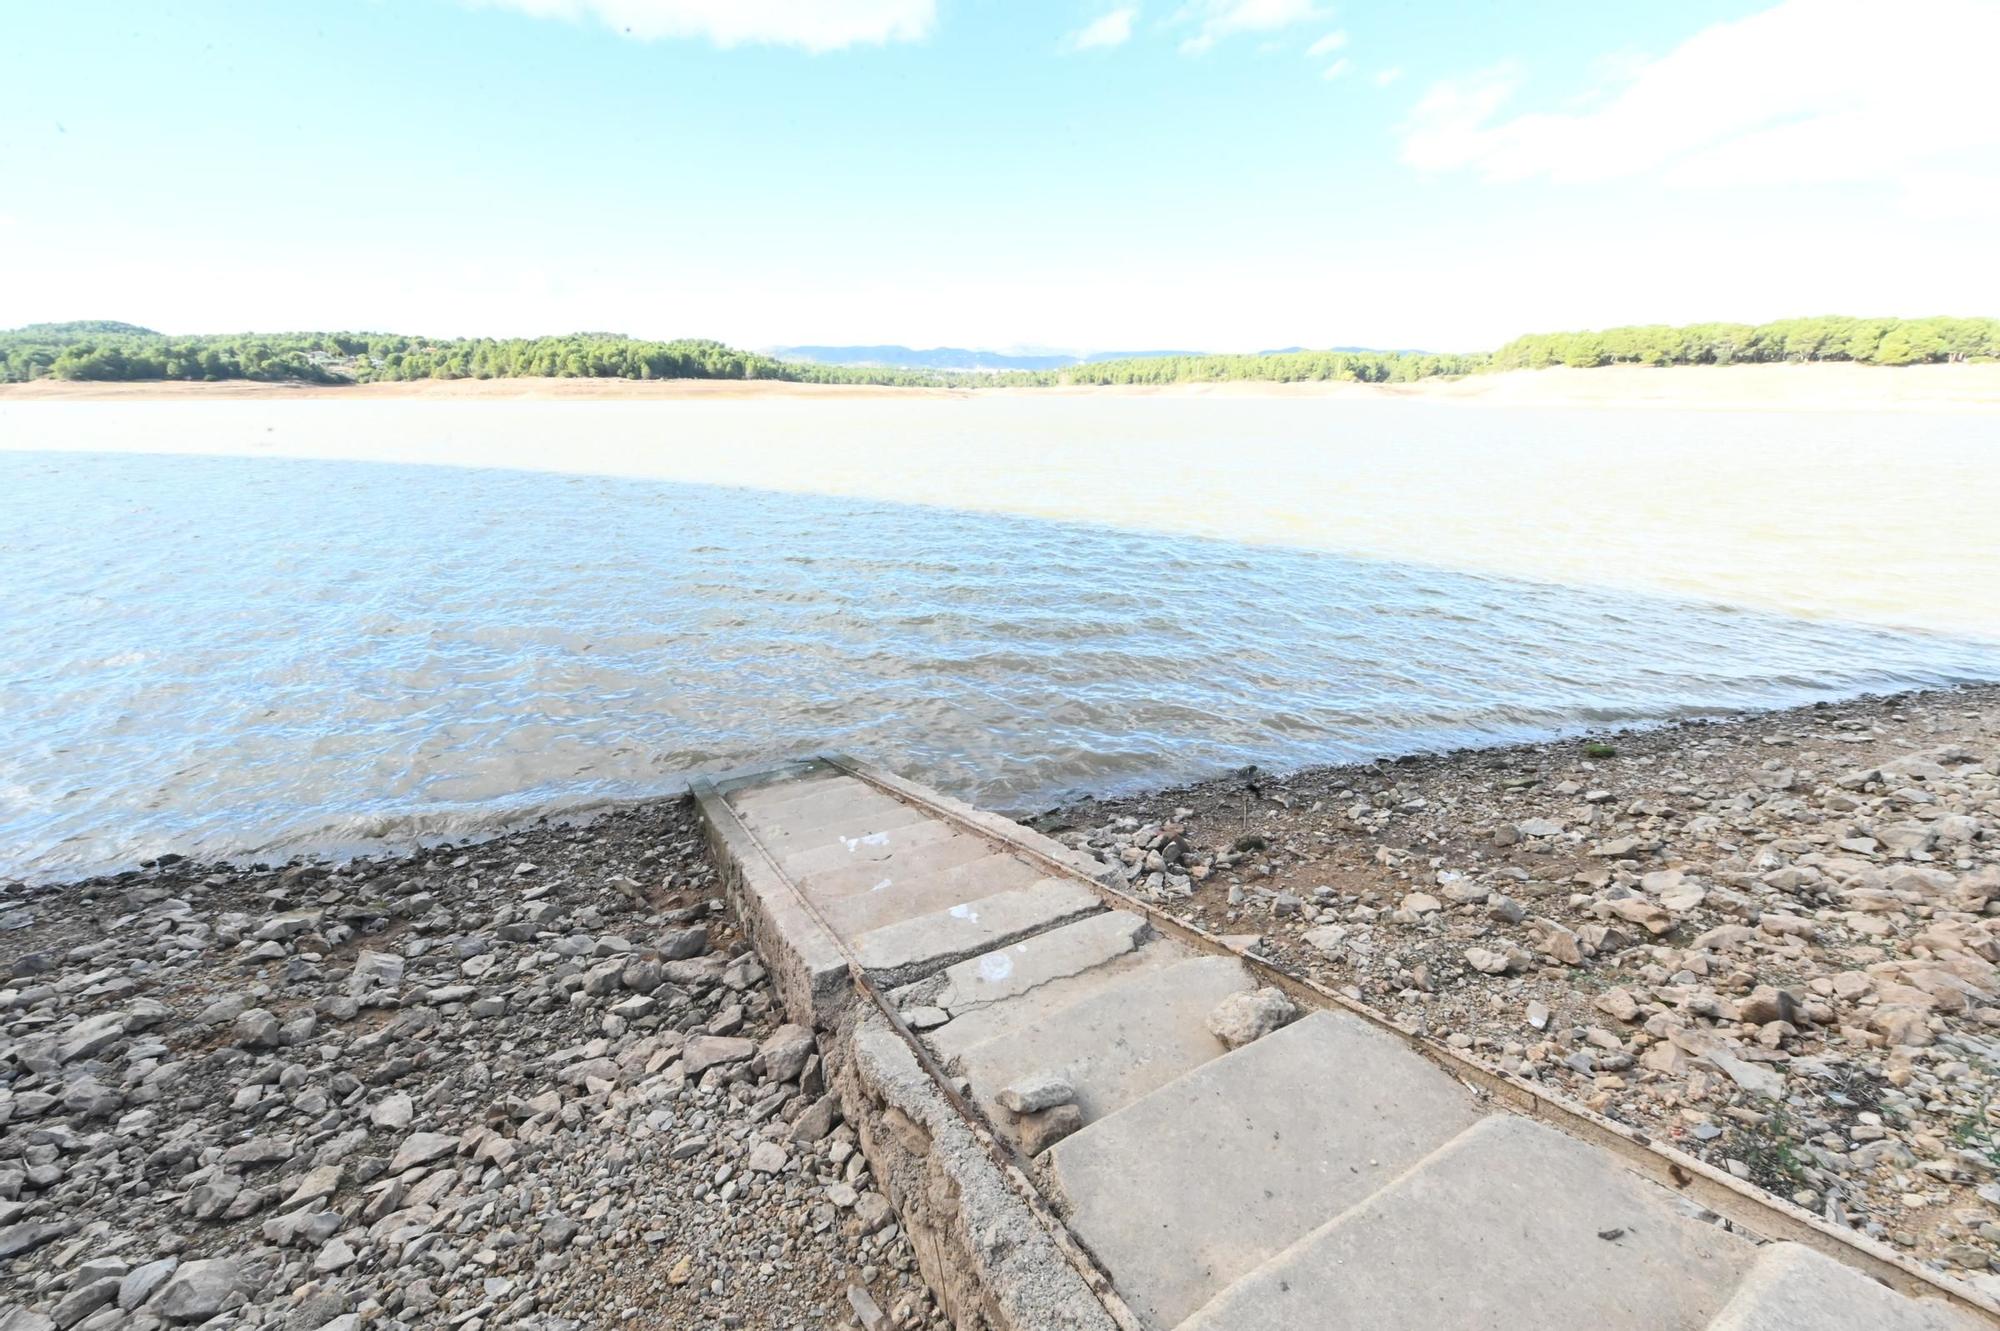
[[1327, 45], [815, 25], [1218, 19], [1113, 29], [1337, 68], [1808, 92], [1387, 76]]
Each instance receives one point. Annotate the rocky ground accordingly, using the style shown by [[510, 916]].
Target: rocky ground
[[537, 1082], [1771, 941]]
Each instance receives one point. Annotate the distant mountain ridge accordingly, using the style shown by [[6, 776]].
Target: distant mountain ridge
[[86, 327], [955, 358]]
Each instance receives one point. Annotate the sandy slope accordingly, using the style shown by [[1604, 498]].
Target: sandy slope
[[1825, 387]]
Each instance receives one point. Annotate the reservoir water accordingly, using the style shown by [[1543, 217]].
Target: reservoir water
[[249, 629]]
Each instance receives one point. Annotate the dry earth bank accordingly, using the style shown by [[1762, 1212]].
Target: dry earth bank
[[1771, 941], [537, 1082]]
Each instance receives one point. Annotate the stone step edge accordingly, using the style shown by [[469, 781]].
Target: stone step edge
[[989, 1248], [988, 1259], [805, 960], [1442, 1150], [1766, 1215], [814, 994], [1028, 912]]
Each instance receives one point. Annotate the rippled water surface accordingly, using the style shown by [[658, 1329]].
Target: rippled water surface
[[304, 645]]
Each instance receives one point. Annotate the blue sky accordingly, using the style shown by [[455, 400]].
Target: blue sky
[[1230, 174]]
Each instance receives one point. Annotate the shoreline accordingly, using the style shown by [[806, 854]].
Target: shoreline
[[1769, 939], [1049, 818], [1826, 386]]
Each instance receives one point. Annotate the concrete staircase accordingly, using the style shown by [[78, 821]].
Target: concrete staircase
[[1326, 1175]]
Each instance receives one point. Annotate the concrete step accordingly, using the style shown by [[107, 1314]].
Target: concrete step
[[868, 843], [903, 862], [805, 804], [1039, 1001], [1131, 1033], [1242, 1156], [1509, 1227], [792, 839], [907, 895], [910, 950], [1793, 1288], [1007, 972], [763, 799]]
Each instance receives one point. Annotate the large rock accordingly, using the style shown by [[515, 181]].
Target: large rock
[[420, 1148], [373, 970], [198, 1290], [706, 1051], [90, 1037], [139, 1283], [27, 1236], [681, 944], [784, 1052]]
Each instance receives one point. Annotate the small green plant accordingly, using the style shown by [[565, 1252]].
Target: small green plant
[[1597, 748], [1976, 1129], [1768, 1149]]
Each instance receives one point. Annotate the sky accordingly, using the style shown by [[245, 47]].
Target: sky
[[1131, 175]]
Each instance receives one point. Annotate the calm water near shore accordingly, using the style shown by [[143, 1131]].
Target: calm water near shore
[[335, 629]]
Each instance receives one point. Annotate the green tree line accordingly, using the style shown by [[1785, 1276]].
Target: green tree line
[[106, 350], [1368, 367], [100, 350], [1832, 337]]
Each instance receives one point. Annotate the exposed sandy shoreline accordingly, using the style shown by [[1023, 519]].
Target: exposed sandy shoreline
[[1822, 387]]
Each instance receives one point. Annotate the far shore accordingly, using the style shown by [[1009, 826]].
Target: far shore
[[1827, 386]]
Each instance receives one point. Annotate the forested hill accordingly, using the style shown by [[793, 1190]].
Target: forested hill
[[1831, 337], [108, 350], [111, 351]]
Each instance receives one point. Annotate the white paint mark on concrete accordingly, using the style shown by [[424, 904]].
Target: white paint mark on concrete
[[995, 967], [879, 886]]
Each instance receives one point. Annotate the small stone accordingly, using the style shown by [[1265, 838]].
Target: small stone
[[866, 1311], [1241, 1018], [1038, 1092], [335, 1255], [873, 1212], [257, 1029], [1039, 1131], [392, 1112], [1618, 1003]]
